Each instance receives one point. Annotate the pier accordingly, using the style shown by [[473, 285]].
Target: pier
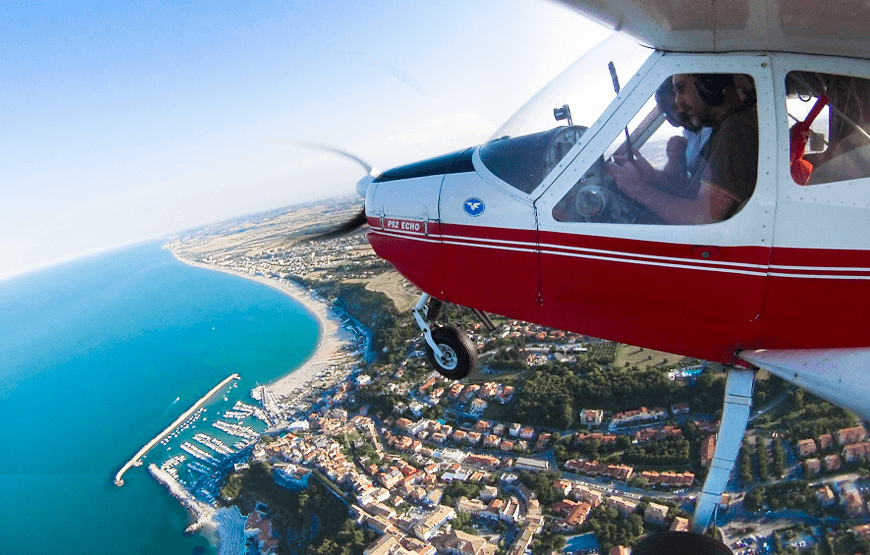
[[119, 477]]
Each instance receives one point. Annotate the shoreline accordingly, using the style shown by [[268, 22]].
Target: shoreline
[[330, 362], [332, 346]]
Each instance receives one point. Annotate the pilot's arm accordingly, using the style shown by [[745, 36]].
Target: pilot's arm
[[727, 180], [712, 204], [673, 178]]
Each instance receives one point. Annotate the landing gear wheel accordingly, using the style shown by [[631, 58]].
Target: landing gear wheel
[[460, 355]]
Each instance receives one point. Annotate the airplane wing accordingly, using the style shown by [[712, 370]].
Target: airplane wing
[[805, 26], [836, 375]]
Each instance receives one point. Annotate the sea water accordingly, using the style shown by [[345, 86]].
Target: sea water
[[96, 358]]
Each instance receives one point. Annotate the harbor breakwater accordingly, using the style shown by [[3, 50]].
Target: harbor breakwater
[[201, 513], [135, 461]]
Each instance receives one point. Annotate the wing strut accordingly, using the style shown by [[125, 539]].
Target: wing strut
[[738, 399]]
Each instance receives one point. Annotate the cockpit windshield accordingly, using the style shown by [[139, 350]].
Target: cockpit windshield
[[585, 89]]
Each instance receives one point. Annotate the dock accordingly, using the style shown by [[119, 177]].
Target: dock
[[135, 461]]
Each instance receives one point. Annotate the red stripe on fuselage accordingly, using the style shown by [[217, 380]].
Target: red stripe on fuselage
[[636, 291]]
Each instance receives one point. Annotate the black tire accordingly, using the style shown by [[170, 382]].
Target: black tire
[[461, 356]]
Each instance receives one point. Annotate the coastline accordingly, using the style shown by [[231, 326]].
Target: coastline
[[332, 351]]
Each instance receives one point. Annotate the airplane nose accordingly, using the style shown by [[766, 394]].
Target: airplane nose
[[362, 186]]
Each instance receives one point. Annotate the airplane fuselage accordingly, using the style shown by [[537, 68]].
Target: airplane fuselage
[[791, 270]]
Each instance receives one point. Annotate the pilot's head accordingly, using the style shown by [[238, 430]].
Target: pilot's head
[[703, 99], [666, 101]]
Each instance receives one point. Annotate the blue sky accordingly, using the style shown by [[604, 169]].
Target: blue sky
[[127, 121]]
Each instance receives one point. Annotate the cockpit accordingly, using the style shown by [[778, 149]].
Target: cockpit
[[674, 163]]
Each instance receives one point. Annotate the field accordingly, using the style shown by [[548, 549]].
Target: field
[[403, 294], [644, 358]]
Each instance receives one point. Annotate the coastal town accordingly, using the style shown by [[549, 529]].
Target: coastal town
[[556, 442]]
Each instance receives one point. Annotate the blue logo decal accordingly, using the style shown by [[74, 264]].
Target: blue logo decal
[[473, 206]]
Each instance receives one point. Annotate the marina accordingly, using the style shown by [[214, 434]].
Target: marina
[[237, 430], [199, 467], [215, 445], [235, 415], [198, 453], [136, 460]]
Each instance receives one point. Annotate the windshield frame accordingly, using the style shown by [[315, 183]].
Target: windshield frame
[[623, 101], [536, 117]]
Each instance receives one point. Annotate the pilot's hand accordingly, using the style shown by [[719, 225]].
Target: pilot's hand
[[676, 148], [625, 173], [647, 172]]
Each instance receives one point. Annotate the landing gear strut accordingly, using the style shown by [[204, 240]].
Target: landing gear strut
[[448, 348], [735, 415]]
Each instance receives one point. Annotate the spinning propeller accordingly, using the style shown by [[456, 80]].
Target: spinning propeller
[[362, 185]]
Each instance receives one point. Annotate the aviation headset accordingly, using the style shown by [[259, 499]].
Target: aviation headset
[[711, 86]]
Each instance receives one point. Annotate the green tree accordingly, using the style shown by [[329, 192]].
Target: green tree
[[462, 522], [546, 542], [746, 473], [761, 460], [778, 452], [753, 499]]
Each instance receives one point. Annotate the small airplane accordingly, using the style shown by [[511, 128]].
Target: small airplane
[[753, 251]]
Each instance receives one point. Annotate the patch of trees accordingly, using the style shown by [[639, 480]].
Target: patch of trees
[[753, 499], [508, 359], [366, 451], [458, 489], [498, 343], [793, 494], [746, 471], [761, 460], [547, 399], [554, 397], [708, 393], [594, 449], [462, 522], [778, 453], [377, 398], [668, 451], [619, 389], [548, 542], [768, 390], [542, 484], [456, 315], [312, 521], [603, 352], [611, 529], [373, 309], [808, 416]]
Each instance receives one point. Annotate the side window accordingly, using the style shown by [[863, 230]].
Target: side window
[[689, 156], [830, 117]]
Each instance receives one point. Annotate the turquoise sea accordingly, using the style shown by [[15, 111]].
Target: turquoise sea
[[96, 358]]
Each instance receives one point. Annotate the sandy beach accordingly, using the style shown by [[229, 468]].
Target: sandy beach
[[329, 360]]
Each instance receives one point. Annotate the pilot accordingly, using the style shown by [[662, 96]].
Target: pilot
[[728, 174], [683, 152]]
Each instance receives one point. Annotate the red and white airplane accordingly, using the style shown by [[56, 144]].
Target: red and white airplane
[[535, 224]]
